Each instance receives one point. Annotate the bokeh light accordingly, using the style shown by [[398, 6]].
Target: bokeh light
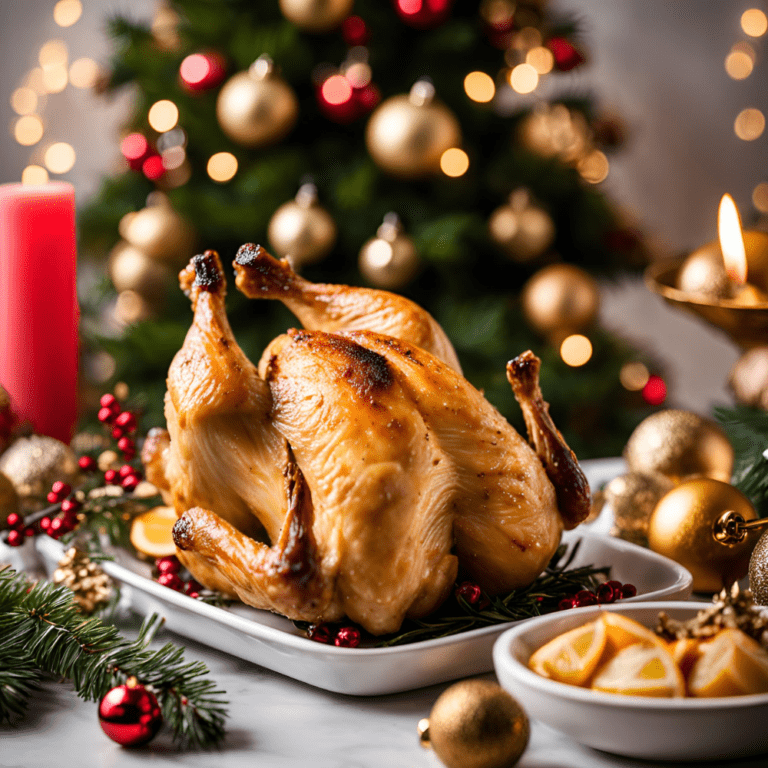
[[655, 390], [222, 166], [67, 12], [84, 73], [738, 65], [593, 167], [754, 22], [163, 115], [336, 90], [134, 146], [34, 174], [749, 124], [634, 376], [379, 254], [358, 74], [173, 158], [59, 157], [480, 87], [541, 59], [576, 350], [760, 197], [524, 78], [55, 78], [454, 162], [23, 101], [153, 167], [52, 53], [35, 80], [28, 130]]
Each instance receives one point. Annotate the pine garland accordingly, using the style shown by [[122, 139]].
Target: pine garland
[[43, 632]]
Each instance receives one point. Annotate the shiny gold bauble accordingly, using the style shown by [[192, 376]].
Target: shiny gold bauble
[[390, 259], [130, 269], [522, 229], [633, 497], [316, 15], [682, 528], [407, 135], [477, 724], [301, 229], [553, 130], [34, 463], [749, 378], [560, 299], [758, 570], [160, 232], [257, 107], [703, 273], [9, 499], [680, 444]]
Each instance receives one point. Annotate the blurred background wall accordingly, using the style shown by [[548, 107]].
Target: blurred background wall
[[658, 64]]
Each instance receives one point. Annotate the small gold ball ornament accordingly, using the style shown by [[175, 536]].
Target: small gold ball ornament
[[758, 570], [389, 260], [680, 444], [633, 497], [301, 229], [476, 724], [130, 269], [159, 231], [749, 378], [316, 16], [560, 299], [682, 528], [257, 107], [522, 229], [407, 135], [34, 463]]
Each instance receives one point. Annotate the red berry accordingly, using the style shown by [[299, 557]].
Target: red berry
[[29, 531], [52, 497], [126, 470], [126, 445], [585, 597], [193, 595], [169, 564], [57, 528], [15, 520], [62, 490], [129, 483], [628, 590], [469, 591], [87, 463], [608, 592], [45, 524], [117, 433], [105, 415], [566, 603], [15, 538], [347, 637], [171, 580], [70, 505], [127, 421], [192, 588], [108, 400], [320, 633]]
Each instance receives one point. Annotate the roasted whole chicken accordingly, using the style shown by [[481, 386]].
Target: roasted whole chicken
[[355, 472]]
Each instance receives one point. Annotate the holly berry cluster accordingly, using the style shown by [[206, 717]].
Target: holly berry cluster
[[169, 573], [607, 592], [329, 634]]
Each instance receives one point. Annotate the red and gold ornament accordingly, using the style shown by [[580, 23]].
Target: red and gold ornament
[[202, 71], [130, 714], [423, 14]]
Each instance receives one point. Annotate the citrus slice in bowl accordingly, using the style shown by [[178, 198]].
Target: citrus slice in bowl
[[732, 664], [621, 632], [573, 656], [641, 670], [151, 532]]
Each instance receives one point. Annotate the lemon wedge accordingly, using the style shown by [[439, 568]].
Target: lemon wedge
[[641, 670], [621, 632], [573, 656]]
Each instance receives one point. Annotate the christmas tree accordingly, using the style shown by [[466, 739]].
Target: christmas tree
[[403, 145]]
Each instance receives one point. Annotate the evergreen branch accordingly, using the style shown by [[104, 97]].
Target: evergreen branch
[[43, 629]]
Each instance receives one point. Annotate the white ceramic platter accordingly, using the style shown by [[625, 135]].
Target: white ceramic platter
[[635, 726]]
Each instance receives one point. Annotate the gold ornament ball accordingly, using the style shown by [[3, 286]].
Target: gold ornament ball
[[758, 570], [130, 269], [703, 273], [9, 499], [301, 229], [633, 497], [316, 15], [749, 378], [390, 259], [160, 232], [522, 229], [560, 299], [680, 444], [682, 528], [34, 463], [477, 724], [257, 107], [407, 135]]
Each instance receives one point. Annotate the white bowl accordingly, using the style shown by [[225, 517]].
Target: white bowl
[[636, 726]]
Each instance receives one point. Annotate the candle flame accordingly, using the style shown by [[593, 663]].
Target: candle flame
[[731, 240]]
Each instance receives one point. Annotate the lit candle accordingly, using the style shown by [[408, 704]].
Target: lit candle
[[38, 305]]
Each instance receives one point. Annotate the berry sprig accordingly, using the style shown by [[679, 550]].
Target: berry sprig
[[346, 636]]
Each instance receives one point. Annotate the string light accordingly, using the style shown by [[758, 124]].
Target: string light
[[222, 166], [480, 87], [28, 130], [23, 101], [738, 65], [59, 157], [34, 174], [594, 167], [67, 12], [749, 124], [541, 59], [53, 53], [524, 78], [336, 90], [163, 115], [760, 197], [35, 80], [55, 78], [84, 73], [576, 350], [454, 162], [754, 22]]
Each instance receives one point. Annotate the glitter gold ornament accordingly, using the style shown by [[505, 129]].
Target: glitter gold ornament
[[560, 299], [679, 444], [389, 260], [159, 231], [257, 107], [476, 724], [316, 15], [9, 499], [749, 378], [522, 229], [34, 463], [682, 528], [90, 585], [130, 269], [633, 497], [407, 135], [758, 570], [302, 229]]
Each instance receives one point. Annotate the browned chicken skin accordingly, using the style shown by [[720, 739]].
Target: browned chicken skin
[[377, 470]]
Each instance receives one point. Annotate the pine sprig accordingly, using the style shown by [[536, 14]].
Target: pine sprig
[[42, 628]]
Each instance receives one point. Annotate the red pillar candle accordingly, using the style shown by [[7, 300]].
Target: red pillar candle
[[38, 305]]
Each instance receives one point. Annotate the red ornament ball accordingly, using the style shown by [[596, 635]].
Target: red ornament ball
[[567, 56], [202, 71], [130, 715], [153, 167], [655, 390], [423, 14]]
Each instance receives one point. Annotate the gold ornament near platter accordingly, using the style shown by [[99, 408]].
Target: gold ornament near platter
[[316, 16], [758, 570], [748, 378], [34, 463], [389, 260], [521, 229], [476, 724], [407, 135], [257, 107], [679, 444], [130, 269], [633, 497]]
